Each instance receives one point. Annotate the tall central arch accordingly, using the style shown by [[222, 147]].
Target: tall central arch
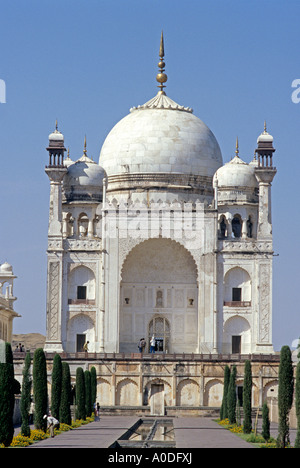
[[159, 288]]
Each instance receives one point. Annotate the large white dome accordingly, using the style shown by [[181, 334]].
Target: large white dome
[[160, 137]]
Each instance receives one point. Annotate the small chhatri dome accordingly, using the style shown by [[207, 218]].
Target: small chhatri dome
[[236, 173], [160, 139], [235, 176], [265, 137], [6, 268], [56, 135], [84, 178]]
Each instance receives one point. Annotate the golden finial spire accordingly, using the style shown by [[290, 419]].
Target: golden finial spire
[[161, 46], [161, 77], [56, 126], [265, 127], [84, 147], [237, 147]]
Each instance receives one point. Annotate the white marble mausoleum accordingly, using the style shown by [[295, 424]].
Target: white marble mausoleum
[[160, 237]]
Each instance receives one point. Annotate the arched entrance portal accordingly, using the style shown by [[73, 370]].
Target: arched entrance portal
[[159, 295]]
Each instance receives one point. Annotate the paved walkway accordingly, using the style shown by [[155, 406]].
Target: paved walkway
[[189, 433], [194, 432], [98, 434], [205, 433]]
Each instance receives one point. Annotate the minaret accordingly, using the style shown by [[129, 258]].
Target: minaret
[[265, 173], [55, 171]]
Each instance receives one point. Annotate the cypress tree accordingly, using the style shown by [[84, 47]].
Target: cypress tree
[[80, 394], [88, 393], [247, 396], [265, 422], [94, 385], [25, 396], [285, 395], [7, 397], [56, 386], [224, 406], [231, 397], [40, 391], [65, 401]]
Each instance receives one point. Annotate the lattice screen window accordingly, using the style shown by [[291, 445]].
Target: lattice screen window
[[160, 328]]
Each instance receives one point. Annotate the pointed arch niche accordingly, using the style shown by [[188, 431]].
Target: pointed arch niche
[[159, 282], [237, 336], [81, 329]]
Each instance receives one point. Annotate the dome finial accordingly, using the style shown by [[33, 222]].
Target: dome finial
[[161, 77], [56, 126], [237, 147], [265, 127], [84, 147]]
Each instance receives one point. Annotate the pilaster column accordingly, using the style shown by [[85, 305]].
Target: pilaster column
[[229, 225], [91, 228], [244, 228]]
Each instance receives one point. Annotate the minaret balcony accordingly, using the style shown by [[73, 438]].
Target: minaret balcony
[[237, 303], [81, 301]]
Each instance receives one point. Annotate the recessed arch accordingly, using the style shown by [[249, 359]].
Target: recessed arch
[[237, 326], [213, 393], [82, 223], [188, 393], [237, 282], [127, 393], [270, 390], [167, 390], [81, 284], [104, 392], [236, 224], [158, 241], [159, 278], [80, 325]]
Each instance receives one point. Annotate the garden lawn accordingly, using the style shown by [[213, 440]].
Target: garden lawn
[[255, 439]]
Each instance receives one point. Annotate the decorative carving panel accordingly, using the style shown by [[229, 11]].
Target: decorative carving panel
[[53, 301], [264, 322]]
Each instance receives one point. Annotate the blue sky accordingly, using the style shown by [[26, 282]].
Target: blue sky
[[86, 63]]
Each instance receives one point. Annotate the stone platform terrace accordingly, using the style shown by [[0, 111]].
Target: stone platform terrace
[[188, 381]]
